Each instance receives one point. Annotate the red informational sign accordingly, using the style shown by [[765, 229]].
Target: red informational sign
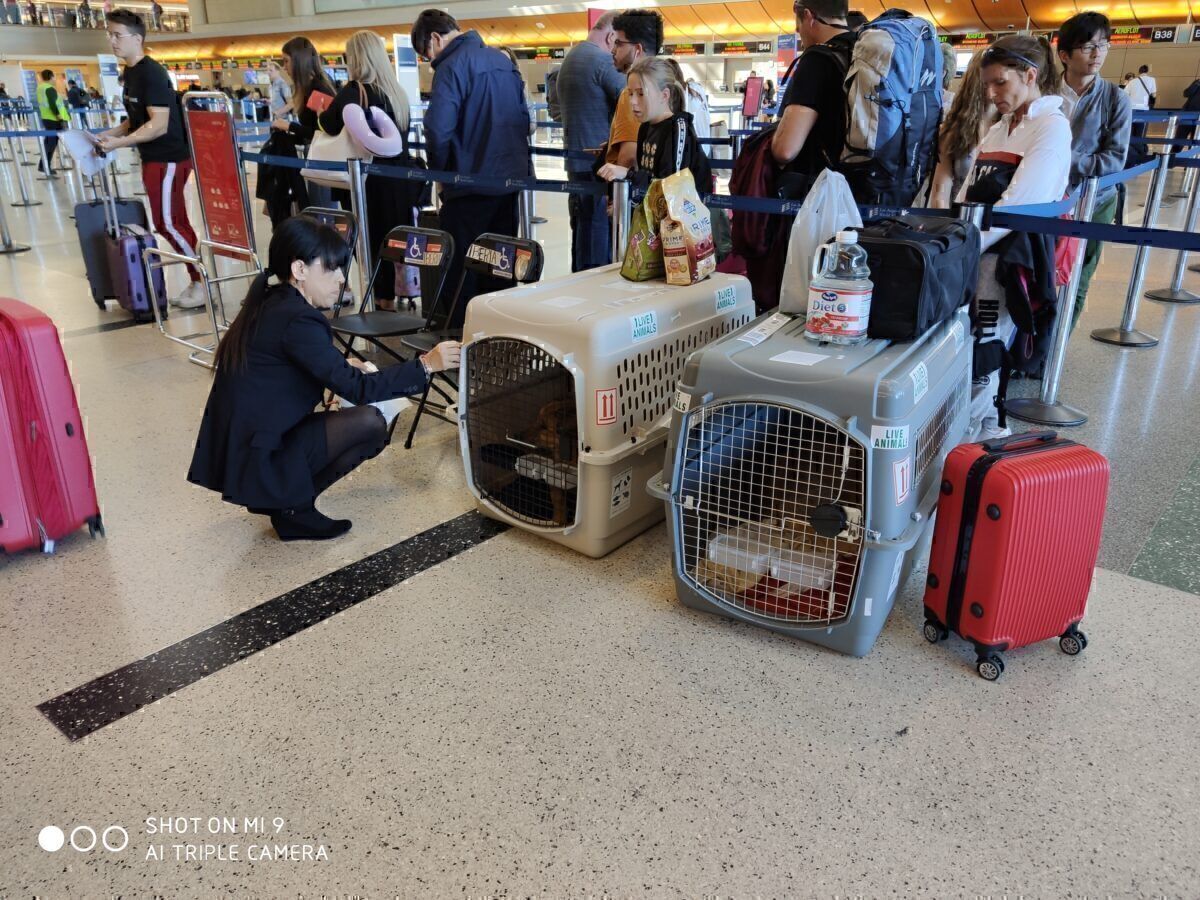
[[752, 102], [219, 177], [594, 16]]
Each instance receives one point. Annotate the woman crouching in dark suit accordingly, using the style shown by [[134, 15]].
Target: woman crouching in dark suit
[[261, 445]]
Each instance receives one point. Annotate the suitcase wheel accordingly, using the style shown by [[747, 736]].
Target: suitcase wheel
[[990, 667], [95, 526], [935, 631], [1073, 642]]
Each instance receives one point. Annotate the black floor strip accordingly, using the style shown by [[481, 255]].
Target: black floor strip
[[100, 702], [100, 329]]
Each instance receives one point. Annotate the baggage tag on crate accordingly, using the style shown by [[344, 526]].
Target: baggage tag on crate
[[761, 332], [920, 380]]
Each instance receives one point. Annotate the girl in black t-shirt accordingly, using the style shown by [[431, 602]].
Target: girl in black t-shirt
[[667, 140]]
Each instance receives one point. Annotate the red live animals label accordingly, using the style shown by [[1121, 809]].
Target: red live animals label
[[606, 407]]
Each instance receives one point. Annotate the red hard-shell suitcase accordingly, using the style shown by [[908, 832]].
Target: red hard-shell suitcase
[[49, 466], [128, 272], [1015, 544]]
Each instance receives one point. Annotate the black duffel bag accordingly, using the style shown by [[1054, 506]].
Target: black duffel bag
[[923, 269]]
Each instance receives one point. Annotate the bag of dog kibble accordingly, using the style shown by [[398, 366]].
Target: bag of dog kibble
[[686, 231], [644, 257]]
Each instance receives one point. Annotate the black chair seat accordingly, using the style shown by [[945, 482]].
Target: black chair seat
[[425, 341], [378, 324]]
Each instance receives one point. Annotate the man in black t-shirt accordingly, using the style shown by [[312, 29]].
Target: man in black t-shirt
[[812, 130], [154, 124]]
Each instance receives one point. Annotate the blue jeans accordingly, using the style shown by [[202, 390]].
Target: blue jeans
[[589, 226]]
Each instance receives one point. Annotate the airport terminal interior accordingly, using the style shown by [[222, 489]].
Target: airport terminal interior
[[447, 700]]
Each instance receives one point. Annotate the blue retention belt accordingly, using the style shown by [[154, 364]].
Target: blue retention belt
[[1039, 218]]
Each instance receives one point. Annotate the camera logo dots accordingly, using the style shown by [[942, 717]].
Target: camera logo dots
[[83, 838]]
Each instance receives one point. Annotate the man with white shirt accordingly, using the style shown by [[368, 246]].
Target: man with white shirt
[[1142, 89], [1100, 117]]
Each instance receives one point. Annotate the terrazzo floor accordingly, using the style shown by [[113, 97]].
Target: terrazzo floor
[[520, 721]]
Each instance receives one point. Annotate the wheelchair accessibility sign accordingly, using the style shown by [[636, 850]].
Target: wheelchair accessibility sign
[[418, 251], [503, 259]]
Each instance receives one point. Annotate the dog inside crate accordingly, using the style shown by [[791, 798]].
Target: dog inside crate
[[772, 504], [524, 433]]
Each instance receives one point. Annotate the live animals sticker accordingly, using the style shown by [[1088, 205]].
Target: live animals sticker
[[683, 401], [889, 437], [920, 380], [622, 493], [726, 298], [644, 325]]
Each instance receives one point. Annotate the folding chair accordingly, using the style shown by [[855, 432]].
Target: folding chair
[[404, 245], [519, 260], [345, 224]]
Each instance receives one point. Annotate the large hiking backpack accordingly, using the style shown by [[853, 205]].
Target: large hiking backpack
[[552, 102], [893, 109]]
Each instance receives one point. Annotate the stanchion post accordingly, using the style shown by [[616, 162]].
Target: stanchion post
[[25, 201], [1176, 293], [973, 213], [525, 215], [358, 205], [25, 160], [1127, 335], [736, 143], [45, 168], [6, 241], [622, 214], [1047, 410]]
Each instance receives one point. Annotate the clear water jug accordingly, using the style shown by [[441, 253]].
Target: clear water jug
[[839, 295]]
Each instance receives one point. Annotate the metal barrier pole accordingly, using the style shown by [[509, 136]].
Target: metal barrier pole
[[525, 215], [25, 201], [973, 213], [6, 241], [622, 214], [1047, 410], [25, 160], [737, 140], [1126, 335], [45, 168], [358, 205], [1176, 293]]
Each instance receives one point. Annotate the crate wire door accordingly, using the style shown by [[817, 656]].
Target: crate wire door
[[754, 479], [522, 431]]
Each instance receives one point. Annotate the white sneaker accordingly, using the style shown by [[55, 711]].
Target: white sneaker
[[990, 432], [193, 297]]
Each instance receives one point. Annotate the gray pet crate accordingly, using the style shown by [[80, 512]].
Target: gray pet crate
[[800, 476]]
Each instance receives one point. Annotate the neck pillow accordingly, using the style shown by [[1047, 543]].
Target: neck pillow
[[388, 142]]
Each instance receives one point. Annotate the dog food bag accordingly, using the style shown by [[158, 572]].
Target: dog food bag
[[686, 231], [644, 257]]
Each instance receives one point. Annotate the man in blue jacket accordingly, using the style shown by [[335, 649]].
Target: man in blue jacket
[[477, 123]]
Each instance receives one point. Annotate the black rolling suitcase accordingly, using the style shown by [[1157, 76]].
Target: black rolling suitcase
[[92, 225]]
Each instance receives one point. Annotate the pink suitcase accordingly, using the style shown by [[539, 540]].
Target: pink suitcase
[[46, 484]]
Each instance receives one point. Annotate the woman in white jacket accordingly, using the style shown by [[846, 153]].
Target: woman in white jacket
[[1024, 159]]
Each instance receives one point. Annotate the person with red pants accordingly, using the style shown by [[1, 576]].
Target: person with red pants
[[154, 124]]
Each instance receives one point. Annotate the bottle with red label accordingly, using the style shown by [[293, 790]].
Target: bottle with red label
[[839, 295]]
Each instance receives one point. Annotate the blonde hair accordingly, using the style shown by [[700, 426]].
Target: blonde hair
[[664, 74], [367, 63]]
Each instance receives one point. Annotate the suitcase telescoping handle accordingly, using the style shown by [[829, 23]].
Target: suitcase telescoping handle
[[1029, 437]]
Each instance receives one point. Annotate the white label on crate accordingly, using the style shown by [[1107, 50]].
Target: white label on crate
[[683, 401], [564, 302], [896, 575], [920, 380], [606, 407], [799, 358], [761, 332], [902, 479], [645, 326], [633, 287], [726, 298], [959, 335], [888, 437], [867, 603], [622, 493]]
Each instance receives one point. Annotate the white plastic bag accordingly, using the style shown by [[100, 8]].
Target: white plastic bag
[[389, 408], [828, 209]]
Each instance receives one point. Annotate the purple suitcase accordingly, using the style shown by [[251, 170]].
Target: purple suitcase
[[128, 272]]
